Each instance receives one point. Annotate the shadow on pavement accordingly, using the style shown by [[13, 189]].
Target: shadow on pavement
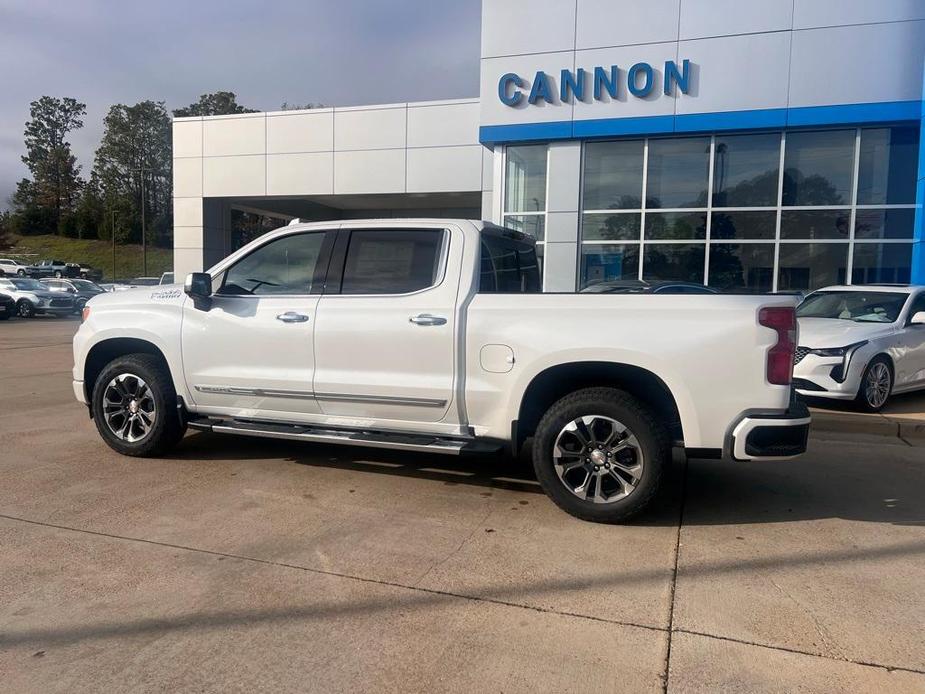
[[816, 486]]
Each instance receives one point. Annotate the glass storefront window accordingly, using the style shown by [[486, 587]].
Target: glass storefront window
[[611, 227], [532, 224], [744, 225], [746, 170], [807, 266], [887, 166], [676, 226], [525, 179], [742, 267], [678, 172], [674, 261], [879, 263], [604, 262], [884, 224], [818, 167], [612, 178], [815, 224]]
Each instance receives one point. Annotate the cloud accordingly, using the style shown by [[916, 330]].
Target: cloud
[[337, 52]]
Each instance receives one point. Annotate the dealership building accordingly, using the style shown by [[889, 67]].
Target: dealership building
[[750, 145]]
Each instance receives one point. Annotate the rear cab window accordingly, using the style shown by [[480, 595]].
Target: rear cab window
[[508, 263]]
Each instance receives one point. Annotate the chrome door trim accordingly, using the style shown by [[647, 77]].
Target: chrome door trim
[[309, 395]]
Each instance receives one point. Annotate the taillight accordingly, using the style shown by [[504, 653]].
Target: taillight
[[783, 320]]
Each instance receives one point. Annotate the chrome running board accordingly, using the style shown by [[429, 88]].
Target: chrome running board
[[421, 443]]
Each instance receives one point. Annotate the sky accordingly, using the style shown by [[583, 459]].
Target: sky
[[334, 52]]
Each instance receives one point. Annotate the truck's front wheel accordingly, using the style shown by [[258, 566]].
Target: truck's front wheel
[[600, 454], [135, 406]]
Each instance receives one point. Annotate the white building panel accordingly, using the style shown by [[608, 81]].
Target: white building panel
[[187, 212], [300, 174], [311, 131], [233, 135], [187, 178], [373, 171], [187, 138], [857, 64], [370, 128], [705, 18], [606, 23], [809, 14], [564, 167], [488, 157], [562, 227], [187, 237], [735, 73], [437, 169], [496, 113], [443, 124], [561, 265], [626, 105], [516, 27], [226, 176]]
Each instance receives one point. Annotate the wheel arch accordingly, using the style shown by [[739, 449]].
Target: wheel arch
[[106, 350], [554, 382]]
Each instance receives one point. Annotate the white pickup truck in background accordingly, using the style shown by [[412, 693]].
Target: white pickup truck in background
[[434, 336]]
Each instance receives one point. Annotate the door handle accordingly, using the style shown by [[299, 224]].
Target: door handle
[[292, 317], [427, 319]]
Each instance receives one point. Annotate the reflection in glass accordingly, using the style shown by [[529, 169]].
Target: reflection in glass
[[525, 179], [815, 224], [678, 172], [881, 263], [745, 170], [668, 226], [744, 225], [610, 227], [532, 224], [613, 175], [682, 262], [742, 267], [887, 166], [609, 262], [884, 224], [818, 167], [811, 265]]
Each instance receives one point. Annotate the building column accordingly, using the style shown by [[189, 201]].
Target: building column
[[563, 180]]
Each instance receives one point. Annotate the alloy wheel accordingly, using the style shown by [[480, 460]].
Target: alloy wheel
[[598, 459], [129, 408], [877, 385]]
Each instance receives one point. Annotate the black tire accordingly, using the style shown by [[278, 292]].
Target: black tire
[[24, 309], [57, 274], [21, 273], [166, 431], [878, 368], [614, 404]]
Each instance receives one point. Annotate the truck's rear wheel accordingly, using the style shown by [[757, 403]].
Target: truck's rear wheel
[[135, 406], [600, 454]]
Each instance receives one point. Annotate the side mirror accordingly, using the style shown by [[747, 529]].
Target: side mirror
[[198, 286], [918, 318]]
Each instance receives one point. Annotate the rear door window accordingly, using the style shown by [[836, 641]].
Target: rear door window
[[392, 261]]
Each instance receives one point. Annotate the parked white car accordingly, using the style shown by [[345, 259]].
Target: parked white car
[[861, 343], [434, 336], [12, 268]]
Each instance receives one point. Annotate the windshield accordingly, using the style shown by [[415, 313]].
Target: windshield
[[87, 286], [860, 307], [29, 285]]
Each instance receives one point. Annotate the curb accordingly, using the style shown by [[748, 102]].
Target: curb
[[828, 421]]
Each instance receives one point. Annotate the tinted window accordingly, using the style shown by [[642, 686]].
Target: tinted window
[[745, 170], [600, 263], [508, 264], [391, 262], [886, 172], [525, 179], [678, 172], [284, 266], [818, 167], [613, 175]]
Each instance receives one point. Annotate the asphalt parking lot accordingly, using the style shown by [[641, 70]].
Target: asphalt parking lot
[[241, 565]]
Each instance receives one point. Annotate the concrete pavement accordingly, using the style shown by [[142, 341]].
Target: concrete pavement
[[248, 564]]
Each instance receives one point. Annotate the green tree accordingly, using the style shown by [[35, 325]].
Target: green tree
[[133, 168], [214, 104], [53, 192]]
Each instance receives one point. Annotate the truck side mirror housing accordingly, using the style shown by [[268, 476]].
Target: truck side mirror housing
[[198, 287], [918, 318]]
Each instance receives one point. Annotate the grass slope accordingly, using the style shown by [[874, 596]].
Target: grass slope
[[31, 249]]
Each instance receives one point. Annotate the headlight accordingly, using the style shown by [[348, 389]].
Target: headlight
[[837, 351]]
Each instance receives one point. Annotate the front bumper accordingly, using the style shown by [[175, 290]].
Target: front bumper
[[80, 392], [771, 437], [836, 378]]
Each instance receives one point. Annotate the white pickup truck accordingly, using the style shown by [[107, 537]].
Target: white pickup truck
[[434, 336]]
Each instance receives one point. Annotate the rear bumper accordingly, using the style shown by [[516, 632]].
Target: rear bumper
[[771, 437]]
